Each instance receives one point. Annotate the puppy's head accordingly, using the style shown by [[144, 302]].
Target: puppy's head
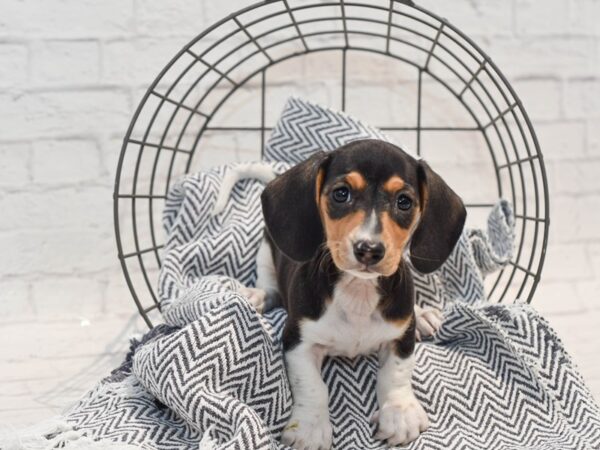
[[365, 201]]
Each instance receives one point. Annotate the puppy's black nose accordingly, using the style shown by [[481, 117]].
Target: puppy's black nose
[[368, 252]]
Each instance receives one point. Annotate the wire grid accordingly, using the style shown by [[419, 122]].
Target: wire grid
[[237, 55]]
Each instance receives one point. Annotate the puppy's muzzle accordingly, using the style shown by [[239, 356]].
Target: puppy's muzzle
[[368, 252]]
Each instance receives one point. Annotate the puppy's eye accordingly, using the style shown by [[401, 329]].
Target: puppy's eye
[[341, 195], [404, 202]]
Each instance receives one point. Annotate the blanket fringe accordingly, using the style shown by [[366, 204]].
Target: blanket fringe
[[207, 442], [51, 434]]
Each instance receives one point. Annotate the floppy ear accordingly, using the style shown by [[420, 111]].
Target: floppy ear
[[443, 216], [289, 204]]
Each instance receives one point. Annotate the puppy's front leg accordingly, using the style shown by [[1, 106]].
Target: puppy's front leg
[[400, 418], [309, 426]]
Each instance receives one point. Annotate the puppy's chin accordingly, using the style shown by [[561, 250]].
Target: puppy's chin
[[363, 274]]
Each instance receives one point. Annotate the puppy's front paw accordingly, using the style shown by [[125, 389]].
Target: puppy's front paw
[[308, 429], [255, 296], [401, 422], [428, 322]]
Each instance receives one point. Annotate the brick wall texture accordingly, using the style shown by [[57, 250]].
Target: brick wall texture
[[72, 72]]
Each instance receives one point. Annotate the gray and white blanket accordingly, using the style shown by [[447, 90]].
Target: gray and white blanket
[[493, 377]]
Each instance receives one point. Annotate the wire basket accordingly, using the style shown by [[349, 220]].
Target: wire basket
[[389, 62]]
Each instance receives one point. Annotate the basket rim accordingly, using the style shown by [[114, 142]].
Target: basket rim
[[232, 16]]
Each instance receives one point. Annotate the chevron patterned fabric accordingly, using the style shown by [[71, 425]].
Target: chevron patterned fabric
[[493, 377], [305, 128]]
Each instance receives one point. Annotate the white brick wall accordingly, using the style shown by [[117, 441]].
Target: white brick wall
[[71, 72]]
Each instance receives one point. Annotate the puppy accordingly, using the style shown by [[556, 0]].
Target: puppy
[[339, 227]]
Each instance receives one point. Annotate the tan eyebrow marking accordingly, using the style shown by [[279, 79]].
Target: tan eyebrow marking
[[393, 184], [356, 181]]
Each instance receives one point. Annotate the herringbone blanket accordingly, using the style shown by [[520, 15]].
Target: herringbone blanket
[[493, 377]]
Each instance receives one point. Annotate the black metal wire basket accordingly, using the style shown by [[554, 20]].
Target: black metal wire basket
[[390, 62]]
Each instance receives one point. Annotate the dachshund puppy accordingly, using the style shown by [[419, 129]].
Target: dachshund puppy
[[339, 227]]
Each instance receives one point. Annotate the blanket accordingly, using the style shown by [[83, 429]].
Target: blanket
[[213, 375]]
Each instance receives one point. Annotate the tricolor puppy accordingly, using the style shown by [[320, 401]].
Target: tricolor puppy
[[339, 227]]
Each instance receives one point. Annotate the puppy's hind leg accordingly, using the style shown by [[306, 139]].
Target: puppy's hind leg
[[265, 296]]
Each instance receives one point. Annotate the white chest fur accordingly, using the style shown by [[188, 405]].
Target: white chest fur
[[351, 325]]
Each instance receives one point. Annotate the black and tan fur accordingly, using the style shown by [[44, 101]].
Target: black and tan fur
[[335, 228], [304, 224]]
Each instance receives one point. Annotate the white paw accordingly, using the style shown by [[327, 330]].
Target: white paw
[[308, 429], [429, 321], [255, 296], [401, 422]]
